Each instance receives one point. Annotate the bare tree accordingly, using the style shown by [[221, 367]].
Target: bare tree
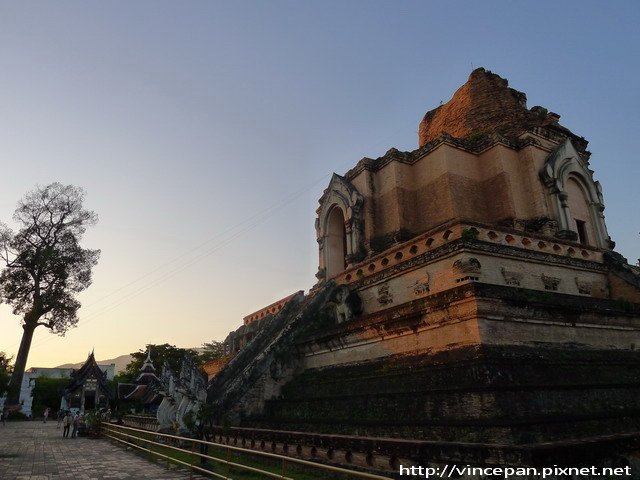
[[45, 265]]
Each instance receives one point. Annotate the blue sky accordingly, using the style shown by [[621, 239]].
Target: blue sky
[[204, 133]]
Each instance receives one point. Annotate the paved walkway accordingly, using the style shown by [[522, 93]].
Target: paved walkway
[[36, 451]]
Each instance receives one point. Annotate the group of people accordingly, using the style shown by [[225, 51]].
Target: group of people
[[68, 420]]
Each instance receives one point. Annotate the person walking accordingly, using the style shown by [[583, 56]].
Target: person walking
[[45, 415], [5, 415], [60, 417], [66, 423], [76, 424]]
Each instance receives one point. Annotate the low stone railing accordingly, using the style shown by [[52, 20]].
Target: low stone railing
[[387, 454], [365, 453], [376, 454], [144, 422]]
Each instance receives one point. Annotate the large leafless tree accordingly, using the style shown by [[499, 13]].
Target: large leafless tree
[[45, 266]]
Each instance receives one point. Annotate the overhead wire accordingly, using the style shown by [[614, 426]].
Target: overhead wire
[[235, 231]]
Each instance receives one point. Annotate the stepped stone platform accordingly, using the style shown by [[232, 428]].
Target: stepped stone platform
[[37, 451]]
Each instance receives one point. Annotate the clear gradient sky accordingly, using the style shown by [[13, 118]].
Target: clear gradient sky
[[205, 131]]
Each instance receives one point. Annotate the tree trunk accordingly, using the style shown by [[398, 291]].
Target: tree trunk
[[21, 362]]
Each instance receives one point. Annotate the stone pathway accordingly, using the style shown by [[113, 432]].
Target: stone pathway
[[37, 451]]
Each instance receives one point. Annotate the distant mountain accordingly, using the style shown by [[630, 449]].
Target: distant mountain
[[121, 362]]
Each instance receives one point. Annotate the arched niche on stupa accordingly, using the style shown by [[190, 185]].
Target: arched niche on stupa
[[575, 198], [339, 228]]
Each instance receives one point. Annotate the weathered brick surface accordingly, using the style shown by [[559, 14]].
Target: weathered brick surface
[[498, 199], [434, 202], [621, 289], [483, 105], [510, 395]]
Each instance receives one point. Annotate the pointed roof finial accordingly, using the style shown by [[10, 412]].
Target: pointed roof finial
[[147, 365], [147, 370]]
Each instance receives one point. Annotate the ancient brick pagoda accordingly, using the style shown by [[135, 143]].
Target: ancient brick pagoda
[[469, 302]]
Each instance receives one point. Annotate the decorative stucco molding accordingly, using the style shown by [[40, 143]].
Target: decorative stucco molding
[[466, 266], [342, 194], [564, 163], [550, 283], [347, 304], [584, 286], [385, 297], [511, 278], [422, 286]]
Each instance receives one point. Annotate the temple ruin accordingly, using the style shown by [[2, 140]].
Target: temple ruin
[[469, 302]]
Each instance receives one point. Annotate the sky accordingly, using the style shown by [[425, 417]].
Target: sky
[[204, 133]]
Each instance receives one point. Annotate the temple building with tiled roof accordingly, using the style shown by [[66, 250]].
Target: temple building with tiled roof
[[89, 388]]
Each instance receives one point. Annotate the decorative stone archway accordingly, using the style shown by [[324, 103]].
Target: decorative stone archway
[[339, 245], [565, 167], [335, 243]]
